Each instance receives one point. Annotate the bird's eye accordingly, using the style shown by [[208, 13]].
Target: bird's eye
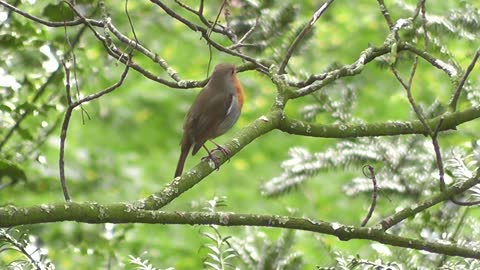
[[233, 71]]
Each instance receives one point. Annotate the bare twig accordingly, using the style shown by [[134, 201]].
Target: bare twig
[[317, 81], [63, 134], [210, 54], [438, 155], [9, 13], [407, 86], [458, 90], [421, 117], [302, 34], [240, 43], [449, 192], [220, 29], [385, 13], [371, 175], [424, 24], [204, 32], [68, 114], [130, 22]]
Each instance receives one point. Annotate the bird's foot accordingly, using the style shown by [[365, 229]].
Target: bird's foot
[[214, 159], [224, 151]]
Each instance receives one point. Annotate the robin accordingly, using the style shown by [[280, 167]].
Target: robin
[[214, 111]]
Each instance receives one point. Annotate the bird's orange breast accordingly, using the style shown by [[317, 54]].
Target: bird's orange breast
[[239, 90]]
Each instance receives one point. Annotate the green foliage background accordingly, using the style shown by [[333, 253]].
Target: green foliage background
[[129, 147]]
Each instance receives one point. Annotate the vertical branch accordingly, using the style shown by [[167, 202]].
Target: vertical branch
[[68, 114], [458, 90], [63, 134], [385, 13], [433, 134], [371, 175], [438, 155], [302, 34]]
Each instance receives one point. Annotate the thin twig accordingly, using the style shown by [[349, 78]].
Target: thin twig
[[130, 22], [247, 34], [210, 54], [302, 34], [374, 193], [204, 32], [407, 87], [408, 212], [421, 117], [66, 121], [17, 2], [385, 13], [438, 155], [220, 29], [63, 134], [424, 25], [74, 61], [458, 90]]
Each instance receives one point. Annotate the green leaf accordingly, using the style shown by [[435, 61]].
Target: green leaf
[[10, 41], [27, 106], [58, 12], [11, 170], [25, 133], [5, 108]]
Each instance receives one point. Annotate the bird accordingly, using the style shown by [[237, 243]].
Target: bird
[[215, 110]]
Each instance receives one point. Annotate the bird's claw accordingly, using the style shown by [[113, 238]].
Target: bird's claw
[[224, 151], [214, 159]]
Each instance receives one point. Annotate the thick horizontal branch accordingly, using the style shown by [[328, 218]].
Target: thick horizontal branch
[[189, 179], [130, 213], [391, 128]]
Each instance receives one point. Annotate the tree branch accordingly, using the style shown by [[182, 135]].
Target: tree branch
[[391, 128], [456, 95], [129, 213], [455, 189], [204, 33], [179, 185], [366, 57], [302, 34], [66, 121]]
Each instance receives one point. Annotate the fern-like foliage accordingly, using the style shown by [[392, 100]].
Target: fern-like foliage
[[355, 262], [32, 256], [277, 27], [144, 264], [397, 156], [338, 101], [463, 22], [257, 252], [220, 253]]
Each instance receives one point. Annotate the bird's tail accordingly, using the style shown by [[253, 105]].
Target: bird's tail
[[183, 156]]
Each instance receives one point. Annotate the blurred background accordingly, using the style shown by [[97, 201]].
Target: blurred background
[[125, 145]]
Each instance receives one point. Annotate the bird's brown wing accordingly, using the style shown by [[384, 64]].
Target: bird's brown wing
[[206, 114]]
